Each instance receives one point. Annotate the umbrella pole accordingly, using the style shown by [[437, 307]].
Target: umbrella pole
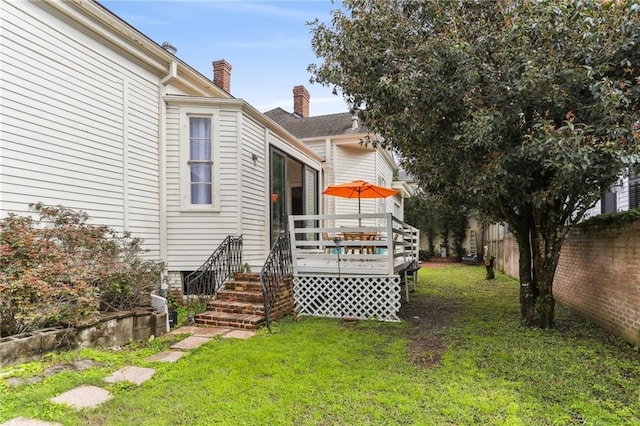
[[359, 213]]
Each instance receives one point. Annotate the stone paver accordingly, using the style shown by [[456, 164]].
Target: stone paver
[[137, 375], [166, 356], [185, 329], [211, 331], [239, 334], [83, 397], [21, 421], [191, 342]]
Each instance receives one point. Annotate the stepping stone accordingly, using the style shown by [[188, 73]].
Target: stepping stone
[[83, 397], [239, 334], [136, 375], [190, 329], [19, 381], [166, 356], [190, 343], [21, 421], [211, 331]]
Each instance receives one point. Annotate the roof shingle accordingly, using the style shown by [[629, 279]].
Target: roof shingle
[[322, 125]]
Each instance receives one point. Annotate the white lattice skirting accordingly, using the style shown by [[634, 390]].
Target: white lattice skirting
[[348, 296]]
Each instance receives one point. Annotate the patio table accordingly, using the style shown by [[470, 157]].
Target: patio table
[[360, 236]]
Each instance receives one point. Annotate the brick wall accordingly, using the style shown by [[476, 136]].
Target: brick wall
[[598, 276]]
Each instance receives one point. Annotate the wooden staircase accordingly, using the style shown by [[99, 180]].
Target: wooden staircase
[[240, 304]]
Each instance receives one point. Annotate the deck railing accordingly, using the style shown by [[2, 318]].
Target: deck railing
[[337, 244]]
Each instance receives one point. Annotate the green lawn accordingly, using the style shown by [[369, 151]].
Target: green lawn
[[461, 358]]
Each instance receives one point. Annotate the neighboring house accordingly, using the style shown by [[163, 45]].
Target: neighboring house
[[625, 195], [337, 139], [98, 117]]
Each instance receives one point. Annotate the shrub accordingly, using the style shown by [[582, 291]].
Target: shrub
[[62, 270]]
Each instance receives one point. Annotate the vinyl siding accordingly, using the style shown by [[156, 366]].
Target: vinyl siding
[[351, 163], [74, 113], [319, 147], [384, 170], [254, 192], [194, 235]]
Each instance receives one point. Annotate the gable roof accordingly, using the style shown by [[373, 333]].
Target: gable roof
[[319, 126]]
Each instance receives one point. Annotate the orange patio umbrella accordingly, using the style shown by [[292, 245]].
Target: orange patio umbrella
[[359, 189]]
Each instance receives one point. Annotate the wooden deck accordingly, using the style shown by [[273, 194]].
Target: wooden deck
[[337, 245]]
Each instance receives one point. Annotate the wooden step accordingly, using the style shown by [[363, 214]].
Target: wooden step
[[225, 319]]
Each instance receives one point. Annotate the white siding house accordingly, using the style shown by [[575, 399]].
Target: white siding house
[[96, 116], [623, 196], [337, 139]]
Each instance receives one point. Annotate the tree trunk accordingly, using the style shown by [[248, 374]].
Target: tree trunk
[[546, 243], [488, 264], [528, 288], [431, 236], [545, 305], [539, 239]]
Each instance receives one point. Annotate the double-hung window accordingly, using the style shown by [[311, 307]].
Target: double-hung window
[[200, 160], [199, 165]]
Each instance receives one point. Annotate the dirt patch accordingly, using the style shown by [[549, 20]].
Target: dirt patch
[[426, 352], [428, 317]]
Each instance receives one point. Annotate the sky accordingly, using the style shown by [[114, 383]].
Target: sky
[[267, 43]]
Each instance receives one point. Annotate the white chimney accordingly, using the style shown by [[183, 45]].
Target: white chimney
[[355, 122]]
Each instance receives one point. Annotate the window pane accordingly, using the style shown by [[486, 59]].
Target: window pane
[[199, 149], [200, 127], [200, 193], [200, 173]]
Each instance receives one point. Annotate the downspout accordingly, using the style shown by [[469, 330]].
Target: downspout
[[162, 169]]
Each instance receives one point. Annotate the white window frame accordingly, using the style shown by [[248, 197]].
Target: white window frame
[[185, 170]]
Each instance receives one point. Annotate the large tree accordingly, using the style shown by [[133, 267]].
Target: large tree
[[524, 110]]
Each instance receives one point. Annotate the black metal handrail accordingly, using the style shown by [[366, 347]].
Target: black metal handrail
[[275, 269], [214, 272]]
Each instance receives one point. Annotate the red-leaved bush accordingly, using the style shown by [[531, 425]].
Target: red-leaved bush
[[63, 270]]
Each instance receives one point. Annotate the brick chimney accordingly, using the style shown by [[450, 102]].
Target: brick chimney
[[300, 101], [222, 75]]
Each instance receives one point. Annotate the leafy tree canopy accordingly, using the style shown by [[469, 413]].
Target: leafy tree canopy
[[523, 110], [432, 217]]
